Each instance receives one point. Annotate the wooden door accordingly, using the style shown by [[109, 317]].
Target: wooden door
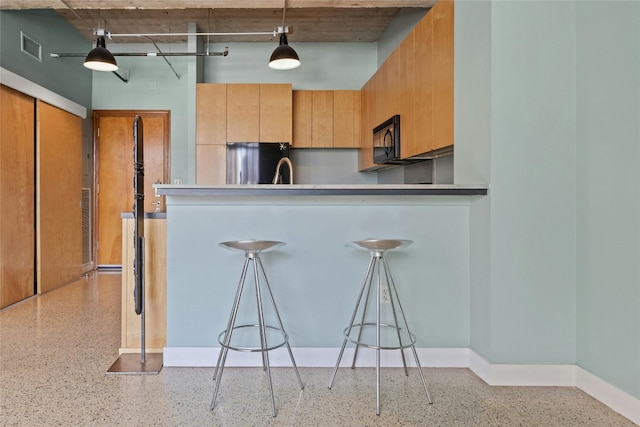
[[113, 132], [17, 187], [59, 197]]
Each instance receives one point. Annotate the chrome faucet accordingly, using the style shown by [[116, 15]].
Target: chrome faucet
[[277, 176]]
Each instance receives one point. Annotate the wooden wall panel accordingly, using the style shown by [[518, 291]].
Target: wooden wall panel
[[59, 197], [17, 187]]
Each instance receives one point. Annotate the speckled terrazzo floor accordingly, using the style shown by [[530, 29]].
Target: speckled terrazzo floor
[[56, 348]]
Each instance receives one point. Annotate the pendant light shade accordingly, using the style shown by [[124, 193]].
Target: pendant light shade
[[284, 57], [100, 59]]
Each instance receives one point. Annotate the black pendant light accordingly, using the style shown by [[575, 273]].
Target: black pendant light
[[100, 59], [284, 57]]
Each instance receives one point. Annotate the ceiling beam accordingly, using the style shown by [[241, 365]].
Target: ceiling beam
[[211, 4]]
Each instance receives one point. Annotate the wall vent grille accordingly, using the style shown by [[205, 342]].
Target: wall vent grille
[[30, 47], [86, 226]]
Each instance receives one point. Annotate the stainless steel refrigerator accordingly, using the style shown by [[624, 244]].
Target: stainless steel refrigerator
[[255, 162]]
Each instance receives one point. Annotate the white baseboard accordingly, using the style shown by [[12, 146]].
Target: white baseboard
[[492, 374], [559, 376], [522, 375], [616, 399]]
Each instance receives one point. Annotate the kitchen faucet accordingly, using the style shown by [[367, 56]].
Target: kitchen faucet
[[277, 176]]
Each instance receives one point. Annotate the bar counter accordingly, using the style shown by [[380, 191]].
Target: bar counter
[[314, 277]]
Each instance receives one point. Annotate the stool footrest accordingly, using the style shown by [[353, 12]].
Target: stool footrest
[[284, 339], [408, 339]]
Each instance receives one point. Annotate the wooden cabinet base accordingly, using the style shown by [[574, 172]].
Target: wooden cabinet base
[[155, 232]]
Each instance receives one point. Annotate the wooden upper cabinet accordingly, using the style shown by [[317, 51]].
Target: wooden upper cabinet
[[443, 22], [326, 119], [275, 113], [380, 94], [392, 84], [211, 113], [302, 115], [346, 118], [365, 154], [243, 113], [322, 119], [416, 81], [423, 85]]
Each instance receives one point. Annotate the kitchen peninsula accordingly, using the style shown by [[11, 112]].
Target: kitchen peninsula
[[314, 277]]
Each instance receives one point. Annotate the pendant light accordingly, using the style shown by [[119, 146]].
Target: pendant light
[[284, 57], [100, 59]]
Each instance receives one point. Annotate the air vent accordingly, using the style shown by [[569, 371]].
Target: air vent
[[30, 47]]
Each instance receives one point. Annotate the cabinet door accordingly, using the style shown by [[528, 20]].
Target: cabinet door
[[322, 121], [302, 112], [423, 84], [275, 113], [211, 113], [243, 112], [392, 86], [443, 73], [365, 154], [406, 93], [211, 164], [343, 119]]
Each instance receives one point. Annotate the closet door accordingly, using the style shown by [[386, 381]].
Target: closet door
[[59, 195], [17, 247]]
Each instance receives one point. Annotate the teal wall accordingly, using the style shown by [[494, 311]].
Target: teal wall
[[533, 182], [608, 201], [66, 77], [555, 246]]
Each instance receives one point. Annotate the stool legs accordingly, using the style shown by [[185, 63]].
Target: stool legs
[[264, 345], [374, 271]]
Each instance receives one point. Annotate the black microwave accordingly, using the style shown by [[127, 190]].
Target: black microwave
[[386, 141]]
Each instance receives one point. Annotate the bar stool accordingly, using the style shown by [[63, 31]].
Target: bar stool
[[399, 337], [252, 250]]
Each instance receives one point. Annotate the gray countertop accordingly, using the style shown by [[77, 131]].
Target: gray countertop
[[321, 190]]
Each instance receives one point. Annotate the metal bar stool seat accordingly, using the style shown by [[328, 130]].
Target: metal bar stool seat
[[252, 250], [399, 337]]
